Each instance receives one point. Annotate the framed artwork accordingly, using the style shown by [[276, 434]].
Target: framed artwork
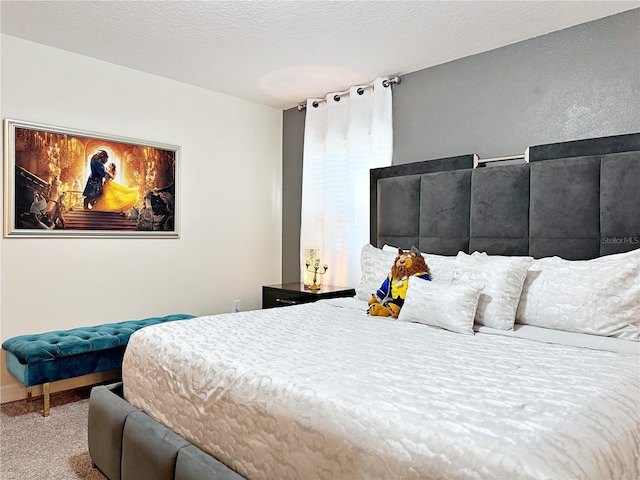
[[61, 182]]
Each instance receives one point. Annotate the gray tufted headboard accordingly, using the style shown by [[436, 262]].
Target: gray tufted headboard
[[577, 200]]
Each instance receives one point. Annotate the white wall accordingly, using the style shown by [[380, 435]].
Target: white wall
[[231, 221]]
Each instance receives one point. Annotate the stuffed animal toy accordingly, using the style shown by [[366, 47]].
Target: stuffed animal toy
[[389, 298]]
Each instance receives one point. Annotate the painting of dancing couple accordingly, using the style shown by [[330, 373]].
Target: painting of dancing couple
[[63, 182]]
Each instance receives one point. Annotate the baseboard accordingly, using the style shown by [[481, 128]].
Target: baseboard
[[14, 392], [11, 393]]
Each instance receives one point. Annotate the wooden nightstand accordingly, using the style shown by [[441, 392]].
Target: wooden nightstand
[[294, 294]]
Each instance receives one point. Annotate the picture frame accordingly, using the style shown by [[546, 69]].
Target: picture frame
[[62, 182]]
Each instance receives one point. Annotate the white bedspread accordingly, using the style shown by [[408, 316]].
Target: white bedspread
[[321, 391]]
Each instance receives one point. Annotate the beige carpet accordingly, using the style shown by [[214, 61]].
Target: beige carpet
[[37, 448]]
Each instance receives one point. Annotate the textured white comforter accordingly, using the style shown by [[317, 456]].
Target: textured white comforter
[[319, 391]]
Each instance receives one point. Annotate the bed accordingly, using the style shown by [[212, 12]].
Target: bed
[[520, 359]]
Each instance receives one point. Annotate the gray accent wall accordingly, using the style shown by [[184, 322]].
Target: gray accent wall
[[577, 83], [292, 145]]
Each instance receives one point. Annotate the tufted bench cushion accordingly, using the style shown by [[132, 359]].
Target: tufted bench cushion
[[48, 357]]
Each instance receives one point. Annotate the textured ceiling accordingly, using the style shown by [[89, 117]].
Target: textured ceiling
[[278, 53]]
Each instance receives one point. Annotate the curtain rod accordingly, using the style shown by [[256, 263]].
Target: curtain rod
[[385, 83]]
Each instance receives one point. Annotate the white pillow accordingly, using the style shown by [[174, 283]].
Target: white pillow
[[599, 296], [450, 306], [440, 266], [375, 265], [502, 277]]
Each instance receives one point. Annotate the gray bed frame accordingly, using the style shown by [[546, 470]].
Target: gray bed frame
[[577, 200]]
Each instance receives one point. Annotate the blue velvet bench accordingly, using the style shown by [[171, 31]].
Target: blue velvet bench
[[48, 357]]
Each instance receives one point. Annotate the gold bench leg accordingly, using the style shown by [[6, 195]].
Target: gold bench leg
[[47, 404]]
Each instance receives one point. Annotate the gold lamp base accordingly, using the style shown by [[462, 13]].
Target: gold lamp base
[[315, 269]]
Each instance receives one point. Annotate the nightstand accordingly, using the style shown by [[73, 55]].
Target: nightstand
[[294, 294]]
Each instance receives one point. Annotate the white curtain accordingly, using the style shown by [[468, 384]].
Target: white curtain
[[343, 140]]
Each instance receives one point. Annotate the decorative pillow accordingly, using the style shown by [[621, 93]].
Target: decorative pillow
[[440, 266], [599, 296], [374, 268], [450, 306], [502, 277]]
